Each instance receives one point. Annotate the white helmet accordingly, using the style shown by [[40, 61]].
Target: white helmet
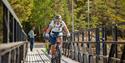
[[58, 17]]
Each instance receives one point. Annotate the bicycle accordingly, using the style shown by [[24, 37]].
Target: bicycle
[[56, 56]]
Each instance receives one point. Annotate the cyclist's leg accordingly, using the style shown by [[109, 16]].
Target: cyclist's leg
[[58, 49], [53, 49], [59, 43], [59, 40], [49, 48], [53, 46]]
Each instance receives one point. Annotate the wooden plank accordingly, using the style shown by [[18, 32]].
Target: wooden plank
[[34, 57], [64, 59], [38, 55], [43, 56], [67, 60]]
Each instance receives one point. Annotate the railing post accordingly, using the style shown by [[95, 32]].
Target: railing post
[[113, 49], [70, 47], [17, 55], [20, 54], [104, 46], [5, 58], [85, 53], [78, 34], [72, 44], [97, 45], [9, 58], [82, 45], [123, 55], [0, 60], [76, 46], [13, 56], [89, 46], [18, 33], [116, 39], [24, 51], [15, 33], [83, 39], [5, 25], [89, 39], [13, 29]]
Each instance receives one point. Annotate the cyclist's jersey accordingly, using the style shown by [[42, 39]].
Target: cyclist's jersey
[[57, 26], [56, 30]]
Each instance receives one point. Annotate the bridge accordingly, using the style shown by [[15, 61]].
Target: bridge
[[87, 46]]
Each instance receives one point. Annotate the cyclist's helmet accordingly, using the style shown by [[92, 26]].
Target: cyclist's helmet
[[58, 17]]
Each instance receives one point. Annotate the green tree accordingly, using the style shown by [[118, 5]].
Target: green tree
[[41, 13], [22, 8]]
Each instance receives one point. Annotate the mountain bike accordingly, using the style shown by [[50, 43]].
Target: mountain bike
[[56, 57]]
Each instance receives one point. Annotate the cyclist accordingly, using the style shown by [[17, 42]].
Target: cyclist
[[56, 28]]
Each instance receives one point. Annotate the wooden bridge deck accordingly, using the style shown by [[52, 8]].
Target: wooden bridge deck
[[38, 55]]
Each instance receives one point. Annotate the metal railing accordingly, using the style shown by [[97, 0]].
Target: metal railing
[[14, 47], [95, 46]]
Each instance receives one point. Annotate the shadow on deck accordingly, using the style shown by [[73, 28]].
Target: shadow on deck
[[38, 55]]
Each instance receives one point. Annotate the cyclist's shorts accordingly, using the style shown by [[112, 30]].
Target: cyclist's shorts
[[53, 37]]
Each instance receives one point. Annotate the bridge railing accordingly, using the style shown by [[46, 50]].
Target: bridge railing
[[13, 52], [98, 45], [14, 47]]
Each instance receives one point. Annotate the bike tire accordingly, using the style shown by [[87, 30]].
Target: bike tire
[[58, 55], [53, 60]]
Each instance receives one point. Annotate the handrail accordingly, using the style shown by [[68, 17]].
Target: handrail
[[107, 42], [87, 46], [4, 48], [13, 52]]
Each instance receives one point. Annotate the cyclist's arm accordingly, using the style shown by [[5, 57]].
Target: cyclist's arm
[[65, 28], [48, 30], [50, 27]]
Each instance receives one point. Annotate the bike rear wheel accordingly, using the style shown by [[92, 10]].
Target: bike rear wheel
[[58, 56]]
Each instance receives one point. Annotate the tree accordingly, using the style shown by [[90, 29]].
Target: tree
[[41, 13], [22, 8]]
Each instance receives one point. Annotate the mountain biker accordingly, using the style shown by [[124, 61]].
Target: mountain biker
[[56, 27]]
